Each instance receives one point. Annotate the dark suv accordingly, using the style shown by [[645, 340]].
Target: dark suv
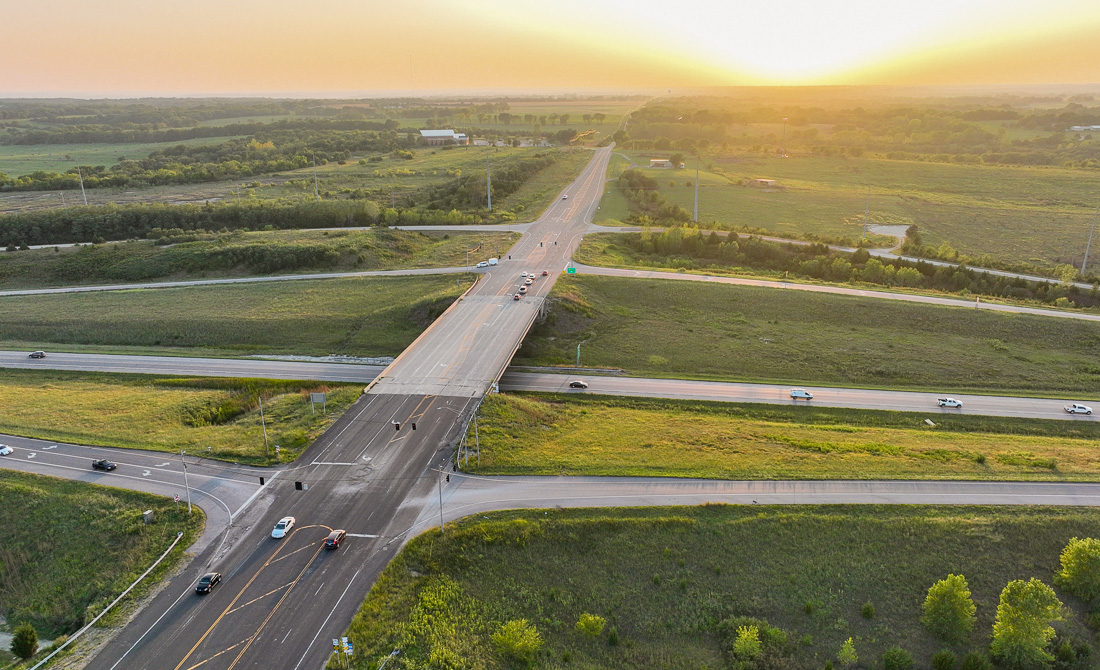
[[103, 464], [335, 539], [38, 354], [208, 582]]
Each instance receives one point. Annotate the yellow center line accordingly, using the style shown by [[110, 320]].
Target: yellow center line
[[223, 651], [259, 598]]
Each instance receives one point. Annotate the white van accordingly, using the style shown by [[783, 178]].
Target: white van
[[801, 393]]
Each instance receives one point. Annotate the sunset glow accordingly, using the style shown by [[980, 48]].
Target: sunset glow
[[128, 47]]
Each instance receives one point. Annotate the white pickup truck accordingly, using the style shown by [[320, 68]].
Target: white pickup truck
[[1078, 409]]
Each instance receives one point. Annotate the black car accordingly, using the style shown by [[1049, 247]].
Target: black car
[[335, 539], [103, 464], [208, 582], [578, 384], [38, 354]]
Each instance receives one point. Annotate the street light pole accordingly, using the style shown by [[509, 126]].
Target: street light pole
[[579, 354], [186, 486], [439, 483], [783, 147], [1088, 244]]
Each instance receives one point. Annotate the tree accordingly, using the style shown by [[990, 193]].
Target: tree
[[1080, 573], [25, 643], [847, 654], [518, 640], [896, 658], [676, 159], [948, 610], [1022, 628]]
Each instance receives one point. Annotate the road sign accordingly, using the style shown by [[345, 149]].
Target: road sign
[[177, 497], [571, 271], [335, 644]]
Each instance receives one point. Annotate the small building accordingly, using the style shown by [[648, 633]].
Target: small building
[[1079, 129], [761, 182], [660, 163], [481, 143], [435, 138]]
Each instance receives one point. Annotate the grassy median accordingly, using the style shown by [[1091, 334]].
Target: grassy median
[[557, 434], [670, 583]]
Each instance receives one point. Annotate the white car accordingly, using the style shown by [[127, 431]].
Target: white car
[[565, 197], [283, 527], [523, 275], [5, 450], [528, 281], [1078, 409], [483, 264], [801, 393], [948, 402]]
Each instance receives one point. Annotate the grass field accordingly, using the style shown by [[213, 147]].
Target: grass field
[[364, 316], [666, 579], [668, 328], [216, 418], [553, 434], [70, 548], [274, 252], [17, 160], [1014, 214]]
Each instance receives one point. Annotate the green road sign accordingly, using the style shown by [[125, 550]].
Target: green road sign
[[571, 271]]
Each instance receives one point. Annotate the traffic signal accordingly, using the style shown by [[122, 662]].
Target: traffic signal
[[414, 425], [396, 426]]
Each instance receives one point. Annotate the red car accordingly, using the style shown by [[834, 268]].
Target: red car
[[335, 538], [545, 273]]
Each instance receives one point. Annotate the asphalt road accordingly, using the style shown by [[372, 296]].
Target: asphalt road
[[282, 601], [223, 491], [776, 394]]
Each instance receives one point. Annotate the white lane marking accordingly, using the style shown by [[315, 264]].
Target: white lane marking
[[330, 463], [31, 455], [325, 623], [52, 446], [285, 636], [318, 591], [145, 473], [362, 535], [162, 465]]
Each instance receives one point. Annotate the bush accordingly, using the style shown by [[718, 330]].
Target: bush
[[867, 611], [1080, 573], [590, 625], [948, 611], [518, 641], [976, 661], [25, 643], [944, 659], [847, 655], [747, 645], [896, 658]]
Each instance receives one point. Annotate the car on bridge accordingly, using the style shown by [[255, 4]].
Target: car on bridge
[[948, 402], [1078, 409], [283, 527], [103, 464], [801, 393], [208, 582], [5, 450]]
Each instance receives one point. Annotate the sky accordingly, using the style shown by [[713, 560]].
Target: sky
[[100, 48]]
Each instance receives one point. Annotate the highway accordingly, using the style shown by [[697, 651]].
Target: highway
[[282, 601]]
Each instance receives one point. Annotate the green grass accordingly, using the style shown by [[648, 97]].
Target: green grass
[[363, 316], [246, 254], [669, 328], [665, 579], [70, 548], [554, 434], [211, 417], [18, 160], [1013, 214]]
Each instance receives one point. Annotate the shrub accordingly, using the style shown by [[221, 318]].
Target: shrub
[[613, 637], [948, 611], [747, 645], [518, 640], [847, 655], [1080, 573], [867, 611], [590, 625], [896, 658], [25, 643], [976, 661], [944, 659]]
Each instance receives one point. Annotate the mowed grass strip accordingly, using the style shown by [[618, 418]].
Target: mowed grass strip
[[69, 548], [665, 578], [362, 316], [243, 254], [553, 434], [669, 328], [214, 418]]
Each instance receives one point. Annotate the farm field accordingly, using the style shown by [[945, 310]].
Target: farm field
[[1034, 215], [667, 328], [97, 544], [17, 160], [555, 434], [670, 583], [216, 417], [361, 316], [241, 254]]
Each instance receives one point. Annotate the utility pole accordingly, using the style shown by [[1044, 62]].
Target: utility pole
[[439, 484], [263, 423], [186, 486], [316, 190], [867, 215], [488, 182], [82, 191], [695, 216], [1088, 244], [783, 148]]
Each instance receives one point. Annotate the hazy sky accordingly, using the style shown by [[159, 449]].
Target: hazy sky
[[159, 47]]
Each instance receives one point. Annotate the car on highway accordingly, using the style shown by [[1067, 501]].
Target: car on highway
[[37, 354], [516, 297], [1078, 409], [801, 393], [565, 197], [335, 539], [545, 273], [948, 402], [523, 275], [208, 582], [483, 264], [578, 384], [528, 281], [283, 527], [5, 450], [103, 464], [522, 290]]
